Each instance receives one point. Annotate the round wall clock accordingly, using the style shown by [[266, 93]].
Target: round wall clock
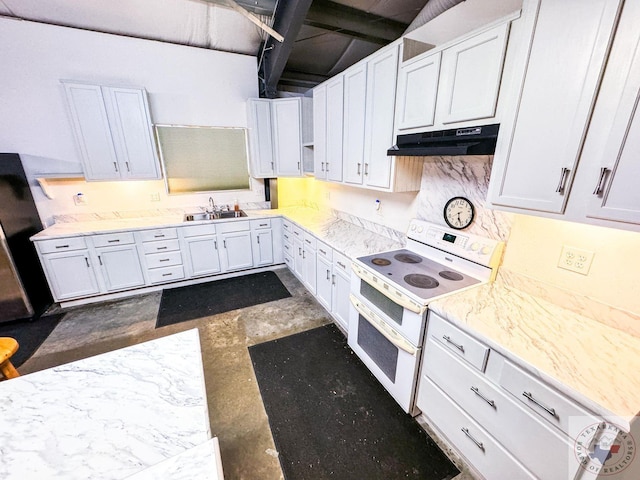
[[458, 213]]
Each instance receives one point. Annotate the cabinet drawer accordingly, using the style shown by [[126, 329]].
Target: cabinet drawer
[[544, 401], [287, 226], [297, 232], [62, 244], [309, 241], [169, 259], [110, 239], [263, 223], [165, 274], [287, 237], [288, 249], [469, 438], [288, 260], [325, 251], [234, 226], [523, 435], [342, 263], [196, 230], [161, 246], [457, 341], [159, 234]]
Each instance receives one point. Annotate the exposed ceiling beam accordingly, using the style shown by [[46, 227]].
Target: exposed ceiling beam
[[289, 17], [352, 22], [301, 79]]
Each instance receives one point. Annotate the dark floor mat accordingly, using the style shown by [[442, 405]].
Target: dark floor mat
[[330, 417], [197, 301], [29, 334]]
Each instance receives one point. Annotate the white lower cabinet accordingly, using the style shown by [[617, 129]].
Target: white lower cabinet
[[483, 414], [70, 274], [120, 267], [262, 239], [236, 252], [201, 252], [340, 288], [309, 262], [324, 271]]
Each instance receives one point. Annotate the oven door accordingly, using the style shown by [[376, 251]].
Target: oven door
[[407, 322], [391, 358]]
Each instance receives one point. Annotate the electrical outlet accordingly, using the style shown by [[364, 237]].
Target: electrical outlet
[[575, 259], [155, 197]]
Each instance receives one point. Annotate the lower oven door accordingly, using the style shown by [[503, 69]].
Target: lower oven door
[[391, 358]]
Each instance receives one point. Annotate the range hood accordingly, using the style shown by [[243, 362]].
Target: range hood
[[457, 141]]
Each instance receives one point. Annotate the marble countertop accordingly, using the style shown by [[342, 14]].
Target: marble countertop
[[106, 417], [350, 239], [588, 360]]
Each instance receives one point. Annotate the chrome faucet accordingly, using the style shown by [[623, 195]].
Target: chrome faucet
[[212, 207]]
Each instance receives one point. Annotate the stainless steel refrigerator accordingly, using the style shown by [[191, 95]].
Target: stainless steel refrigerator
[[24, 292]]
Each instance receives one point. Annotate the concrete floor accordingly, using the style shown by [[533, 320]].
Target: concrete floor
[[236, 412]]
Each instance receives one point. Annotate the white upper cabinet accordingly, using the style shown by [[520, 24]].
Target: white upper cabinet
[[286, 116], [611, 162], [540, 143], [417, 92], [260, 138], [114, 132], [355, 97], [320, 131], [335, 105], [382, 73], [470, 74]]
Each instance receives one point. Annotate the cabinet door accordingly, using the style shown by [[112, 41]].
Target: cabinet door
[[237, 250], [355, 97], [287, 136], [92, 131], [470, 77], [309, 268], [382, 72], [120, 267], [132, 133], [320, 132], [616, 195], [262, 247], [323, 282], [340, 298], [335, 102], [70, 274], [537, 154], [202, 255], [260, 138], [417, 90], [298, 259]]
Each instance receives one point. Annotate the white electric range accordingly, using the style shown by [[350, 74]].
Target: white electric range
[[391, 290]]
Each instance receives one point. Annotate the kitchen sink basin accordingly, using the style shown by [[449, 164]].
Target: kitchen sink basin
[[199, 216]]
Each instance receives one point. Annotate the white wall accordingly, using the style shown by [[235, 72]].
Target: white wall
[[186, 85]]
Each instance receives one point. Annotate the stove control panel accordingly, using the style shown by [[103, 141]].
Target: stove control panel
[[485, 251]]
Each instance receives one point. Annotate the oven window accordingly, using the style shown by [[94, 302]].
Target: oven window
[[392, 309], [378, 348]]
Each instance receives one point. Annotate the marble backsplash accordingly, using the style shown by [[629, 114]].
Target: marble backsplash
[[465, 176], [157, 212]]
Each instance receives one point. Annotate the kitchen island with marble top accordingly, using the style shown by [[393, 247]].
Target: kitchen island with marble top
[[112, 416]]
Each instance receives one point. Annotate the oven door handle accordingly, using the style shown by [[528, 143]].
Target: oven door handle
[[381, 326], [372, 280]]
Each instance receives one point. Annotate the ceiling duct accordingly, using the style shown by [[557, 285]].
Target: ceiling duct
[[431, 10]]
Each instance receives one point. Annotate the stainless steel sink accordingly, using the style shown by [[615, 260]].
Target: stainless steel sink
[[199, 216]]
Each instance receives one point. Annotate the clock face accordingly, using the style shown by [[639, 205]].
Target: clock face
[[458, 213]]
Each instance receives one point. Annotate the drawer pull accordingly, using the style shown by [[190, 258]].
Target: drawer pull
[[297, 234], [342, 265], [62, 246], [87, 260], [286, 236], [447, 338], [158, 236], [563, 178], [323, 252], [264, 224], [478, 444], [549, 410], [113, 241], [477, 392], [308, 241], [99, 260], [215, 244], [167, 274], [600, 185], [164, 259], [161, 248]]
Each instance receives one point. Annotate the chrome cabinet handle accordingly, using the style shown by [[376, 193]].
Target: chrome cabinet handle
[[328, 274], [477, 392], [478, 444], [215, 244], [127, 164], [303, 254], [224, 243], [164, 259], [359, 168], [298, 165], [333, 279], [99, 260], [115, 166], [159, 236], [366, 169], [322, 166], [447, 338], [167, 274], [600, 184], [322, 251], [342, 265], [113, 241], [563, 178], [327, 166], [272, 167], [549, 410], [299, 251], [87, 260], [258, 240], [62, 246], [161, 248]]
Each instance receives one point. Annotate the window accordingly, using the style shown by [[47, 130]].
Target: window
[[203, 159]]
